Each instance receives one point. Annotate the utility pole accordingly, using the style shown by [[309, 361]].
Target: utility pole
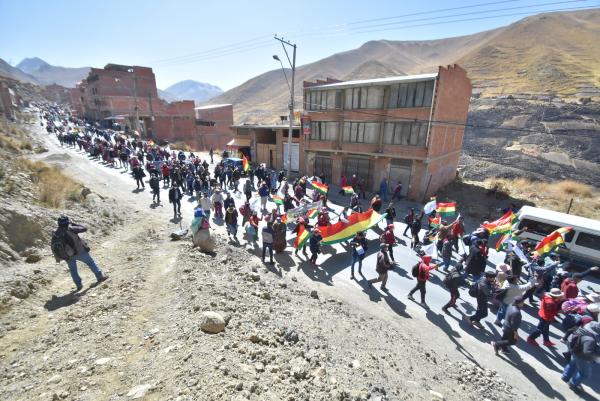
[[151, 115], [291, 105], [137, 117]]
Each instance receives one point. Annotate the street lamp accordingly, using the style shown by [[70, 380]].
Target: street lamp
[[291, 88]]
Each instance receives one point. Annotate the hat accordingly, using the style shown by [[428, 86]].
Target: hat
[[391, 226], [490, 273], [593, 308], [555, 293], [593, 297]]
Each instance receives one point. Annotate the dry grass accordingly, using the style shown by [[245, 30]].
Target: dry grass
[[553, 195], [53, 186], [8, 143]]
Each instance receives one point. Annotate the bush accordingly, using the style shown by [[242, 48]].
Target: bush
[[574, 188], [40, 149], [499, 189], [6, 142], [26, 145], [53, 186]]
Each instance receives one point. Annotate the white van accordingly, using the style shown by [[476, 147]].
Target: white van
[[582, 245]]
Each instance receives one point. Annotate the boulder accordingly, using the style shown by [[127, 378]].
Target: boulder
[[212, 323]]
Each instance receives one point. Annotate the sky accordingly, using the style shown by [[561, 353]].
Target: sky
[[225, 43]]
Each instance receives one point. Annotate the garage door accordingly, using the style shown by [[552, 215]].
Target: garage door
[[295, 156], [399, 174]]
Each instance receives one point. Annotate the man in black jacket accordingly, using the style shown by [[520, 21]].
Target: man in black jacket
[[584, 352], [484, 290], [76, 249], [175, 196], [512, 321]]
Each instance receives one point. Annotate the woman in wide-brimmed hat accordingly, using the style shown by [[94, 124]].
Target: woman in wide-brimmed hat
[[549, 309]]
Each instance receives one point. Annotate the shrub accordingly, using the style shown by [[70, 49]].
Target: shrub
[[9, 143], [26, 145], [498, 188], [53, 186], [574, 188], [40, 149]]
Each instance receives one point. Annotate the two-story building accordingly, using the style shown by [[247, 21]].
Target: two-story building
[[406, 129]]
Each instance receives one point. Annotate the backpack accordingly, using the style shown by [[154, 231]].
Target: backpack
[[61, 249], [571, 320], [500, 294], [415, 270], [575, 340], [466, 239], [474, 289]]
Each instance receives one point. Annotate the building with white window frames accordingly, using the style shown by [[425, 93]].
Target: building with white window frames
[[406, 129]]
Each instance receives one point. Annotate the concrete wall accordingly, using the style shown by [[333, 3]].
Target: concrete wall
[[218, 135]]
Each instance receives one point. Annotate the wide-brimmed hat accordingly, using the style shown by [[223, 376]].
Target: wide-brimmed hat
[[593, 308], [593, 297], [555, 293]]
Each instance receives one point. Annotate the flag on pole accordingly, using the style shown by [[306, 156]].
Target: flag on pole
[[312, 213], [435, 221], [348, 190], [502, 225], [245, 164], [552, 240], [446, 208], [301, 238], [278, 200], [430, 206], [341, 231], [502, 241], [322, 188]]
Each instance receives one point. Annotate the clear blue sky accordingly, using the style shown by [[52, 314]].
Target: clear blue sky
[[93, 33]]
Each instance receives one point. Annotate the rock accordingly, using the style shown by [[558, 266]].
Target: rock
[[291, 336], [355, 364], [259, 366], [32, 255], [437, 395], [299, 368], [314, 294], [85, 191], [138, 391], [55, 379], [102, 361], [254, 276], [319, 372], [212, 323], [20, 290]]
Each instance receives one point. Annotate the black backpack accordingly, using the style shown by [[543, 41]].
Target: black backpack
[[61, 248], [575, 340], [474, 289], [415, 270]]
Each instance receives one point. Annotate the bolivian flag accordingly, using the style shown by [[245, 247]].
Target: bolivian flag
[[302, 237], [435, 221], [277, 199], [348, 190], [341, 231], [312, 213], [445, 209], [284, 218], [245, 164], [502, 225], [322, 188], [502, 241], [552, 240]]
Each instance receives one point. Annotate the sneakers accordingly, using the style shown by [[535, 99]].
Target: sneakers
[[103, 278], [498, 323], [495, 347], [79, 288], [410, 297], [445, 310], [352, 277], [531, 341], [384, 288], [549, 344]]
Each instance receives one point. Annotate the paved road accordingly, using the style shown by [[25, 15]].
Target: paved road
[[529, 369]]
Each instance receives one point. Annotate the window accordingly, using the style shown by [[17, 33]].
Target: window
[[323, 100], [412, 94], [324, 130], [543, 229], [590, 241], [364, 98], [405, 133], [361, 132]]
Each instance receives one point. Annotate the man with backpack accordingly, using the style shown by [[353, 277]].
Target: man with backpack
[[584, 351], [452, 281], [481, 290], [66, 245], [382, 267], [511, 326], [155, 186], [175, 196], [408, 219], [422, 275]]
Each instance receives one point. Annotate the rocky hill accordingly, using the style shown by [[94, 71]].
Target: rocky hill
[[46, 74], [191, 90], [545, 53], [8, 71]]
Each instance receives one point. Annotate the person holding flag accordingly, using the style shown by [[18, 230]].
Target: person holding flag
[[302, 231]]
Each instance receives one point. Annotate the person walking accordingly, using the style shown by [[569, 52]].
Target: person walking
[[155, 186], [343, 183], [359, 249], [390, 214], [248, 189], [383, 189], [477, 258], [315, 245], [138, 175], [397, 192], [483, 289], [68, 246], [512, 290], [511, 326], [267, 240], [452, 281], [263, 192], [569, 285], [252, 227], [423, 274], [279, 231], [211, 154], [231, 216], [584, 352], [175, 196], [388, 238], [408, 220], [301, 223], [382, 267], [549, 309], [415, 229]]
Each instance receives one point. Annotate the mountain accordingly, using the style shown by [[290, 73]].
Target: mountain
[[192, 90], [164, 95], [555, 52], [46, 74], [9, 71]]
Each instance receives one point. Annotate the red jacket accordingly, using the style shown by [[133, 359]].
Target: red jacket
[[425, 268], [549, 308], [388, 237], [569, 288]]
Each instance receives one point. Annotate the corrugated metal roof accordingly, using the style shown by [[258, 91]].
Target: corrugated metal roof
[[212, 106], [377, 81]]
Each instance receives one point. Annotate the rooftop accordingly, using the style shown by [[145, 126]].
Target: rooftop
[[212, 106], [377, 81], [264, 126]]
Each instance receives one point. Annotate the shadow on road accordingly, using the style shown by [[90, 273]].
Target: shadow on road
[[62, 301]]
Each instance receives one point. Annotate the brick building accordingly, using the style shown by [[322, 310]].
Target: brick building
[[213, 126], [406, 129], [128, 94], [268, 144]]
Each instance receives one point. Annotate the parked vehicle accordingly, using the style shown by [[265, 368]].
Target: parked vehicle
[[582, 245], [235, 162]]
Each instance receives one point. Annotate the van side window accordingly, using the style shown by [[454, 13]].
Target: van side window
[[543, 229], [588, 241]]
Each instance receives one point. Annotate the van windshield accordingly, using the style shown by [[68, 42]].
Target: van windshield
[[543, 229]]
